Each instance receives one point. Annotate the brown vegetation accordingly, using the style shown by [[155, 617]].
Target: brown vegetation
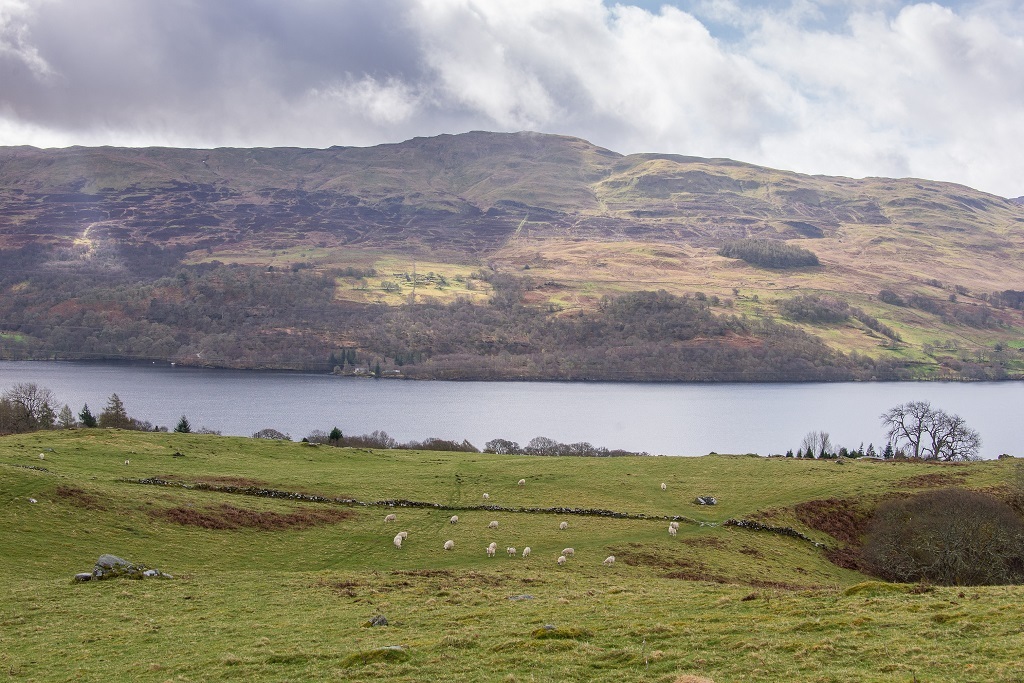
[[79, 498], [228, 517]]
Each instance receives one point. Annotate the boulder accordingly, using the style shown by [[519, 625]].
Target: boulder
[[705, 500], [379, 620]]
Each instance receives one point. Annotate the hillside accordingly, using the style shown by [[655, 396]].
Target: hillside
[[275, 576], [440, 219]]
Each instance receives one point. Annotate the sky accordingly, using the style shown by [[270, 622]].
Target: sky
[[858, 88]]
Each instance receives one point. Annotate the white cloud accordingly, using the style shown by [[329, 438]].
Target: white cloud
[[861, 87]]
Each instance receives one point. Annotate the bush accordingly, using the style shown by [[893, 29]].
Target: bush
[[951, 537]]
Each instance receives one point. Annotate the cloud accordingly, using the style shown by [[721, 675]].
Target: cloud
[[869, 87]]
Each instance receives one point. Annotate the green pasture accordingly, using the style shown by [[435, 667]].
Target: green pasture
[[284, 594]]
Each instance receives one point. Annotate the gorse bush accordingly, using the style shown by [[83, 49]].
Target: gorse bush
[[951, 537]]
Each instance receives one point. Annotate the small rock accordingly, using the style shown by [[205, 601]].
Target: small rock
[[83, 576], [32, 500], [149, 573], [520, 597], [379, 620], [705, 500], [549, 627]]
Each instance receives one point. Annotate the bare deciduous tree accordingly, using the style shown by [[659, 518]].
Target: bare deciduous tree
[[930, 433]]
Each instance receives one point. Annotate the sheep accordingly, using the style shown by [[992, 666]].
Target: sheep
[[398, 541], [127, 462], [664, 486], [609, 561], [490, 551], [674, 525], [32, 500], [568, 552], [563, 526], [454, 519], [561, 560], [391, 518], [522, 482], [493, 524], [487, 496], [42, 457], [403, 534], [526, 552], [511, 551], [672, 531], [493, 545], [449, 544]]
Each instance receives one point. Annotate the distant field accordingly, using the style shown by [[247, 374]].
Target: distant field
[[270, 589]]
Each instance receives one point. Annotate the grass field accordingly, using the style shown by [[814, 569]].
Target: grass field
[[270, 589]]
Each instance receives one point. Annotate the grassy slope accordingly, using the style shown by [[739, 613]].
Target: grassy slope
[[254, 604]]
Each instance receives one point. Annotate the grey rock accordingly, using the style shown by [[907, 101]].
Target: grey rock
[[111, 561], [520, 597], [379, 620], [149, 573], [83, 576], [705, 500]]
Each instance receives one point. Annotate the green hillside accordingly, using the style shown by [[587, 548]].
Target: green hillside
[[934, 269], [280, 588]]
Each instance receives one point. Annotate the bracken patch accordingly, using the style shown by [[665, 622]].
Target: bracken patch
[[79, 498], [228, 517]]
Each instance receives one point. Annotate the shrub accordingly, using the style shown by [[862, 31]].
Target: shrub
[[951, 537]]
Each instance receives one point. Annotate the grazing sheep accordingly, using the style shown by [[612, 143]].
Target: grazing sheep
[[569, 552], [42, 457], [403, 534], [609, 561], [563, 526], [672, 531], [561, 560], [391, 518], [664, 486], [511, 551], [490, 551], [493, 545], [674, 525], [522, 482], [448, 545], [398, 541], [454, 519], [493, 524], [127, 461], [487, 496], [526, 552]]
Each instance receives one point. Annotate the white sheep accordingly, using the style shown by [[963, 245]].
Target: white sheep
[[609, 561], [403, 534], [487, 496], [526, 552], [493, 524], [563, 526], [664, 486], [391, 518], [398, 541], [32, 500], [522, 482], [568, 552], [672, 531], [42, 457], [674, 525], [454, 519], [491, 551], [127, 462], [449, 544], [561, 560], [493, 545], [511, 551]]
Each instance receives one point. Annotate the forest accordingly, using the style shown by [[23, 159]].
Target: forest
[[148, 306]]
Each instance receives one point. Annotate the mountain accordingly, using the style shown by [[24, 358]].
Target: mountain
[[421, 218]]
